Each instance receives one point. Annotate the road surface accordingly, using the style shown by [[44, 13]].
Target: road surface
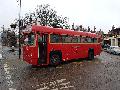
[[103, 73]]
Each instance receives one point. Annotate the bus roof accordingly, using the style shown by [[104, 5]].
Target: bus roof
[[49, 30]]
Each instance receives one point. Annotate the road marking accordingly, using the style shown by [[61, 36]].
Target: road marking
[[12, 89], [56, 85], [8, 76]]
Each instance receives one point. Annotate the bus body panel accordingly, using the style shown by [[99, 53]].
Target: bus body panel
[[30, 55], [75, 51]]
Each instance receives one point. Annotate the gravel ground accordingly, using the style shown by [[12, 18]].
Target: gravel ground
[[103, 73]]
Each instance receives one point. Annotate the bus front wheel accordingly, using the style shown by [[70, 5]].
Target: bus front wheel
[[55, 59], [91, 55]]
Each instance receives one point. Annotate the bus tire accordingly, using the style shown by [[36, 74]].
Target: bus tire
[[55, 58], [91, 54]]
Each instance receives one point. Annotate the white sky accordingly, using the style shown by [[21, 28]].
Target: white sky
[[100, 13]]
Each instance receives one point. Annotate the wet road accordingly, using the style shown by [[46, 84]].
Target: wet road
[[103, 73]]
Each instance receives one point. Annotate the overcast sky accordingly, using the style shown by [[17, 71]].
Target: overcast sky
[[100, 13]]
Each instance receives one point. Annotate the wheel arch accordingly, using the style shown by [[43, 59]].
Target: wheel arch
[[58, 52]]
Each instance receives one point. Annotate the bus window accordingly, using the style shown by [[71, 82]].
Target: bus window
[[79, 39], [89, 40], [94, 40], [25, 39], [68, 39], [55, 38], [39, 38], [29, 39], [63, 38], [83, 40], [74, 39]]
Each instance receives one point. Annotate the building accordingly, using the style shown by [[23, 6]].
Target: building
[[113, 37]]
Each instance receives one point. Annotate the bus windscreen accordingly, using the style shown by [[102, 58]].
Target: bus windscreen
[[29, 39]]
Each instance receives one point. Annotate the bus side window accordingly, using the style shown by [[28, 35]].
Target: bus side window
[[31, 39], [86, 39], [79, 39], [55, 38], [63, 38], [94, 40], [89, 39], [68, 39], [83, 40], [75, 39]]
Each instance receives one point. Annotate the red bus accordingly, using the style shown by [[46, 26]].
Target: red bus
[[45, 45]]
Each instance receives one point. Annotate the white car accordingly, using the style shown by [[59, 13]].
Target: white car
[[114, 50]]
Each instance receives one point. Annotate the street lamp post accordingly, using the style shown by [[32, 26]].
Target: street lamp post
[[19, 29]]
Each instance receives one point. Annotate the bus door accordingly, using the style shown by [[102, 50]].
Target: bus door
[[42, 48]]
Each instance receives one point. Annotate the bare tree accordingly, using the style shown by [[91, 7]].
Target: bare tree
[[88, 29], [44, 15], [9, 38]]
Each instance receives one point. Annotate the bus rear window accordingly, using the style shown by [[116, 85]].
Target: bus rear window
[[29, 39]]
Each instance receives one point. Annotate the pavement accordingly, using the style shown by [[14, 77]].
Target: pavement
[[1, 57], [102, 73]]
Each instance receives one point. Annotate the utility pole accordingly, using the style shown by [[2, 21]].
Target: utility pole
[[19, 28]]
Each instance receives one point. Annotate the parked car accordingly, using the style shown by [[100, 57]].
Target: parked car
[[116, 51], [113, 50]]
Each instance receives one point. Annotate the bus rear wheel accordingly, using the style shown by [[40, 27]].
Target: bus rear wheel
[[55, 59], [91, 55]]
